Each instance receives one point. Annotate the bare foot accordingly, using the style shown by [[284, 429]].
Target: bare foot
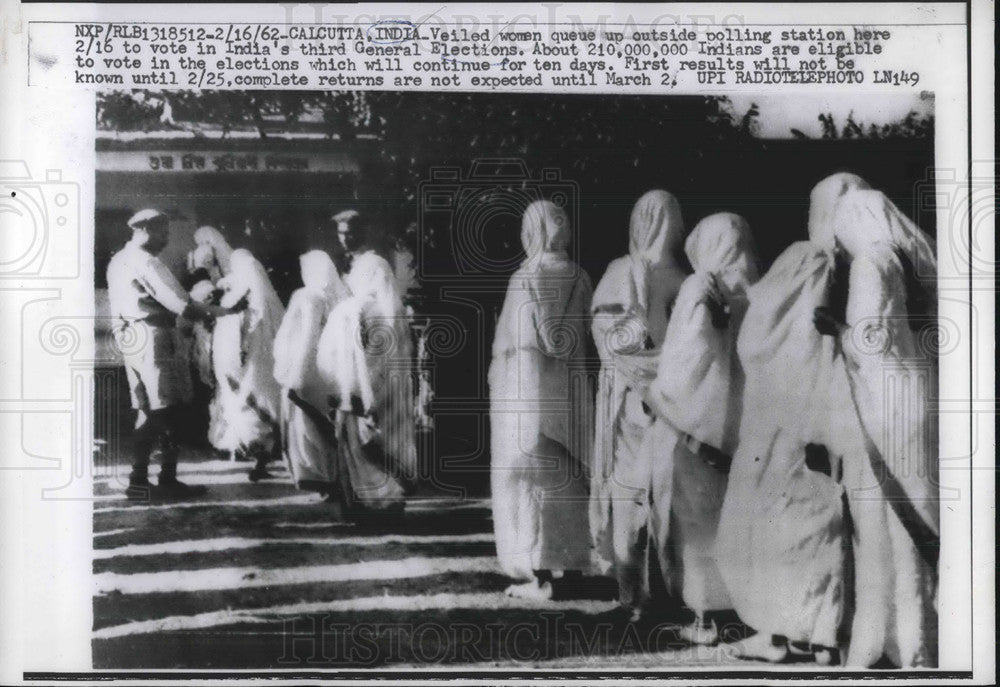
[[697, 633], [825, 657]]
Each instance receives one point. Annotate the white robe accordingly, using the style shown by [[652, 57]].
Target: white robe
[[697, 399], [307, 438], [243, 357], [213, 254], [892, 475], [201, 345], [780, 542], [782, 535], [540, 410], [365, 351], [307, 445], [631, 306]]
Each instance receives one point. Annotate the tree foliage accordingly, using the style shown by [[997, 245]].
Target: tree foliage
[[588, 137], [913, 125], [612, 148]]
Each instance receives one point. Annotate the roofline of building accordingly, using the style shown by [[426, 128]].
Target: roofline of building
[[316, 142], [107, 141]]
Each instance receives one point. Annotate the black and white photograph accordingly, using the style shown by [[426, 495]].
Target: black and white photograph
[[410, 343], [431, 380]]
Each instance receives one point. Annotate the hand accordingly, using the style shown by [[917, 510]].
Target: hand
[[196, 312], [715, 301], [240, 305], [826, 322], [718, 311]]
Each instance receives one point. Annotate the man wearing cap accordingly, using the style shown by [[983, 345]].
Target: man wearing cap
[[146, 299]]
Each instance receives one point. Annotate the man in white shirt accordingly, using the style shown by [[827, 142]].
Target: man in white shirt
[[145, 301]]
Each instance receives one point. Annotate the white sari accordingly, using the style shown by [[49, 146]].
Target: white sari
[[307, 436], [201, 352], [892, 477], [781, 537], [365, 353], [697, 398], [213, 254], [631, 306], [243, 357], [541, 406]]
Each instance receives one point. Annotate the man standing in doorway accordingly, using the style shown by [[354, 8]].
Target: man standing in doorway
[[146, 298]]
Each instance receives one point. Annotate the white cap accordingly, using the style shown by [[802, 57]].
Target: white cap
[[145, 217], [346, 216]]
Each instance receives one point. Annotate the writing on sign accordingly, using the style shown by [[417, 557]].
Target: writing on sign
[[235, 162]]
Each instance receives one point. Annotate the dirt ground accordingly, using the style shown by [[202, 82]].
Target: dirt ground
[[262, 576]]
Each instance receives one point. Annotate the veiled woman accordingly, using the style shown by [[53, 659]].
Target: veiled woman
[[212, 253], [541, 410], [891, 466], [631, 307], [365, 354], [243, 357], [697, 399], [782, 533], [306, 432], [208, 263]]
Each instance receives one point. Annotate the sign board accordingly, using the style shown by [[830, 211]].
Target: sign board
[[214, 161]]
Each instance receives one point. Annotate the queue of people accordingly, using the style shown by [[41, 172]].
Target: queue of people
[[762, 444], [325, 385], [756, 443]]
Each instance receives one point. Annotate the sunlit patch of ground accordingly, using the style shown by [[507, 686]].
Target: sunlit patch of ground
[[262, 576]]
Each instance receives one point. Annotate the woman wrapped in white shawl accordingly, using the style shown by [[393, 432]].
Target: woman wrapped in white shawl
[[365, 354], [697, 399], [781, 537], [243, 356], [307, 434], [210, 262], [203, 292], [211, 253], [631, 306], [541, 410], [891, 474]]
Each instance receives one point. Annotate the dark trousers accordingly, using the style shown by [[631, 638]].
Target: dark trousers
[[155, 436]]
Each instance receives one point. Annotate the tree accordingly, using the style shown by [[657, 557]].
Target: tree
[[140, 110], [913, 125]]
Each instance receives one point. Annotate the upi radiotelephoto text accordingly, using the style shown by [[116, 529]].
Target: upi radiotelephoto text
[[396, 54]]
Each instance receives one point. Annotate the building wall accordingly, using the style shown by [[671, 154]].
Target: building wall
[[269, 196]]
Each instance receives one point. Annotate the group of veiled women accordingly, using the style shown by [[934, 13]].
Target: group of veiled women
[[325, 384], [759, 443]]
